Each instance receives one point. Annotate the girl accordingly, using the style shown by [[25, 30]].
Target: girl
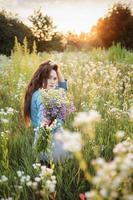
[[47, 76]]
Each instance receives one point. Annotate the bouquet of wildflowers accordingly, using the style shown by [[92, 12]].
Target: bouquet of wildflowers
[[57, 103], [44, 140], [57, 107]]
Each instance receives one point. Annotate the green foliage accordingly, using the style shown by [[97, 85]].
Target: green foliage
[[42, 37], [116, 27], [9, 28], [43, 27], [44, 140], [44, 31], [4, 152], [116, 52], [98, 79]]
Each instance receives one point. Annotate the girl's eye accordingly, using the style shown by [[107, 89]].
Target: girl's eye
[[50, 78]]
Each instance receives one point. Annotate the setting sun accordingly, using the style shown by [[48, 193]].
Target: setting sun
[[71, 15], [77, 17]]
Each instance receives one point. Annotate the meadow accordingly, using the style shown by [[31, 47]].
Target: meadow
[[101, 84]]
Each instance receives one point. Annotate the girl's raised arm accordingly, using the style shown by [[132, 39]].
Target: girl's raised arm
[[60, 75]]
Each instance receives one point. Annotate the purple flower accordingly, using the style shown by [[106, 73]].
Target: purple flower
[[57, 105]]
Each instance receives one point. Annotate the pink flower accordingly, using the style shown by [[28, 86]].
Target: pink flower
[[82, 196]]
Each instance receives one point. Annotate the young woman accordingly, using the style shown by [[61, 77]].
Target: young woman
[[47, 76]]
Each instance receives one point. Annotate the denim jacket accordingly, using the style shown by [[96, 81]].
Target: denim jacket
[[37, 107]]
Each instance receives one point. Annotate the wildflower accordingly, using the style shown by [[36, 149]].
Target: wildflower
[[20, 173], [57, 104], [99, 161], [2, 134], [29, 183], [4, 178], [119, 148], [23, 179], [114, 110], [129, 197], [90, 195], [20, 187], [4, 120], [43, 168], [82, 196], [54, 181], [71, 141], [53, 177], [120, 134], [10, 110], [45, 171], [104, 193], [34, 185], [36, 165], [27, 178], [2, 112], [50, 185], [37, 179], [84, 118], [131, 114], [49, 171]]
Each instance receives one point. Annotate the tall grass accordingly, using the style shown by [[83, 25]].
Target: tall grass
[[99, 79]]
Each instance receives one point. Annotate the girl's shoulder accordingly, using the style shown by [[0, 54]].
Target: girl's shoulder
[[36, 98], [36, 94]]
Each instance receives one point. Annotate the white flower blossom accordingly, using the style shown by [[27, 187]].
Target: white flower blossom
[[90, 195], [36, 165], [120, 134], [29, 183], [20, 173], [50, 185], [131, 114], [37, 179], [104, 193], [84, 118], [4, 178], [71, 141], [129, 197], [5, 120], [10, 110], [34, 185]]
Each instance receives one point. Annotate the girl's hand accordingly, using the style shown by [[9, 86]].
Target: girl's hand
[[46, 122]]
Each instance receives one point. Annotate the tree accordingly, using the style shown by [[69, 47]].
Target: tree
[[116, 27], [45, 32], [58, 42], [42, 26], [11, 26]]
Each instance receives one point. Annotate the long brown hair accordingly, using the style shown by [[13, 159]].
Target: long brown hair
[[38, 80]]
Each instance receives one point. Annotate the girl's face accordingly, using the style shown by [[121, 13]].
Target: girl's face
[[52, 80]]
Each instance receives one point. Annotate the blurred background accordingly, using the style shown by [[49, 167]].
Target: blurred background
[[60, 25], [92, 41]]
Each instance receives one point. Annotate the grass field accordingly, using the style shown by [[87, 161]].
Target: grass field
[[98, 80]]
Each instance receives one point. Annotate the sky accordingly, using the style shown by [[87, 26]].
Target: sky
[[68, 15]]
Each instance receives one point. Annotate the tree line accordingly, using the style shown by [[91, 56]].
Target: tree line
[[115, 27], [43, 32]]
